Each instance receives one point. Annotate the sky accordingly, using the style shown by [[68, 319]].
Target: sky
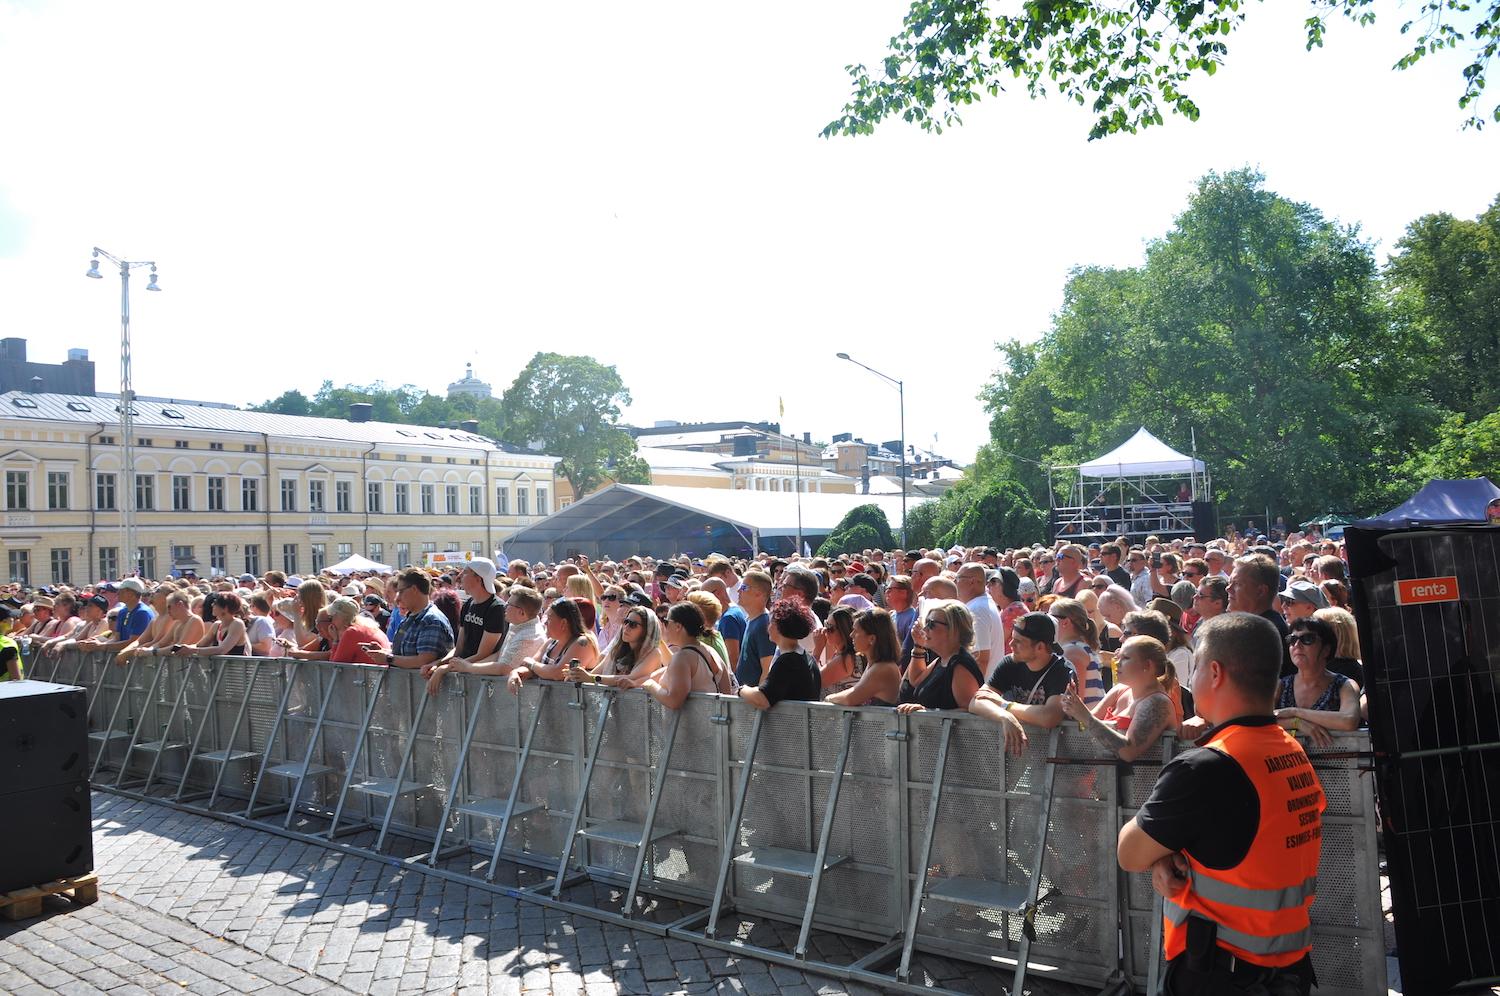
[[380, 191]]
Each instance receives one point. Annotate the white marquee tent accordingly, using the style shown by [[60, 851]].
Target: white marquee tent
[[1142, 455]]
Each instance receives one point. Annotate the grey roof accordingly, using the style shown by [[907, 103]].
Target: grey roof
[[156, 414]]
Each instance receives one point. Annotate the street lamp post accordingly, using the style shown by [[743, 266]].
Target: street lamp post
[[127, 399], [901, 395]]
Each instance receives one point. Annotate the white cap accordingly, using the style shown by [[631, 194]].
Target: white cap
[[133, 584], [485, 569]]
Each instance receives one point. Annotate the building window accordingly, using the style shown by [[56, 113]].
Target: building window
[[343, 500], [109, 562], [373, 497], [182, 556], [541, 501], [252, 448], [144, 443], [403, 555], [216, 446], [450, 499], [502, 500], [403, 499], [252, 558], [180, 444], [429, 499], [249, 496], [216, 494], [104, 495], [429, 548], [57, 491], [377, 550], [289, 558], [288, 495], [476, 500], [523, 501], [18, 490], [145, 492], [346, 550], [319, 556], [146, 561], [218, 559], [479, 548], [106, 440], [62, 566], [20, 567], [182, 493], [316, 496]]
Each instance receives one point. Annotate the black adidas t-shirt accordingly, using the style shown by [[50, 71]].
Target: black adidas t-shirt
[[477, 619], [1015, 681]]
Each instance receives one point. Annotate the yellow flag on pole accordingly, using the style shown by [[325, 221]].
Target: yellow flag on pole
[[780, 407]]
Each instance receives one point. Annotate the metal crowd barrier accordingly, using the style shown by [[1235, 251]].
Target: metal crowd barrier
[[764, 833]]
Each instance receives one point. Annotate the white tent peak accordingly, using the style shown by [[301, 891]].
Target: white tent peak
[[1142, 455], [358, 563]]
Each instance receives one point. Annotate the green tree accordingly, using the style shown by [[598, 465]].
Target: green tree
[[863, 527], [289, 403], [1462, 449], [1128, 62], [569, 407], [632, 469], [1256, 325], [1000, 513]]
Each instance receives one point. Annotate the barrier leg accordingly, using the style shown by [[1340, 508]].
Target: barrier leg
[[400, 787], [307, 768], [646, 837], [166, 743], [208, 715], [265, 758], [359, 748], [583, 794], [77, 671], [227, 754], [904, 970], [96, 687], [822, 855], [732, 837], [1154, 967], [110, 732], [460, 763], [511, 808], [1028, 931], [136, 736]]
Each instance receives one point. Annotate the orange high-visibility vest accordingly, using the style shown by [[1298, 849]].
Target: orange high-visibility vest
[[1261, 905]]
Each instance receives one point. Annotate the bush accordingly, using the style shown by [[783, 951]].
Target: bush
[[999, 513], [864, 528]]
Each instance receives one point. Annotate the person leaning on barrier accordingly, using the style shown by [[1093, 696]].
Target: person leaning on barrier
[[1316, 699], [942, 673], [878, 672], [1134, 713], [133, 619], [793, 675], [94, 624], [693, 667], [10, 651], [1028, 684], [523, 638], [567, 641], [227, 638], [1231, 832], [635, 655], [425, 635]]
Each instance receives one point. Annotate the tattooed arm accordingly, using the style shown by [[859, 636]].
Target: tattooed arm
[[1153, 715]]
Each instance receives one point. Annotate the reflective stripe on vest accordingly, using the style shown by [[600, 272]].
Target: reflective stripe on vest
[[1260, 906], [1281, 944]]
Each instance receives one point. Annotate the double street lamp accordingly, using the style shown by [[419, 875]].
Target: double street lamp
[[127, 399], [901, 395]]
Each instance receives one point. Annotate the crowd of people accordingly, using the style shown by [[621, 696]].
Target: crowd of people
[[1103, 635]]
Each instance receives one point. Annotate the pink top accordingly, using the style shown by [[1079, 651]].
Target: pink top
[[348, 650]]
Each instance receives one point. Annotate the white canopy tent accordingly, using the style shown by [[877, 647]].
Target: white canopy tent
[[1142, 455], [357, 563]]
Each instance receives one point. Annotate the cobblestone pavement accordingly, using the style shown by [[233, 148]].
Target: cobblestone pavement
[[189, 903]]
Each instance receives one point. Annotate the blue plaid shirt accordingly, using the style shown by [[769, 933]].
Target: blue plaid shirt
[[427, 632]]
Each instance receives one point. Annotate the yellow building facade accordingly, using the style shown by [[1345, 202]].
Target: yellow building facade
[[225, 491]]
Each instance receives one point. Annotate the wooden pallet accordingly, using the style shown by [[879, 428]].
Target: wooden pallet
[[25, 903]]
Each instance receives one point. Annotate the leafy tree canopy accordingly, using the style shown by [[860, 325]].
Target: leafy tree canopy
[[864, 527], [1128, 62]]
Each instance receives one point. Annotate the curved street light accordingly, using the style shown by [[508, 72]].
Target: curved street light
[[901, 395]]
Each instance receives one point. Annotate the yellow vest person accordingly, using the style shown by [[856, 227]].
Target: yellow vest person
[[1232, 831], [10, 651]]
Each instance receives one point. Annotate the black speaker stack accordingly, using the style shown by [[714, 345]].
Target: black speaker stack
[[45, 812]]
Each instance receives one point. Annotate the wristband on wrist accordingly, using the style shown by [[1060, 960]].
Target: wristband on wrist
[[1008, 704]]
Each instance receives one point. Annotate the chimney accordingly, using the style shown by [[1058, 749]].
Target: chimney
[[13, 349], [359, 411], [469, 425], [36, 385], [807, 438]]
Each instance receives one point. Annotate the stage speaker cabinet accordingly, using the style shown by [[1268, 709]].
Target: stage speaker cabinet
[[45, 806], [1205, 520]]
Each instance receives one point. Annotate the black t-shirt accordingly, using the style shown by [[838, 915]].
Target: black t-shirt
[[1119, 576], [1287, 667], [1204, 803], [1015, 681], [1349, 668], [794, 677], [477, 619]]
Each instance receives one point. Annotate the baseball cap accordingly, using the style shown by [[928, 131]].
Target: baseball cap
[[133, 584], [1302, 590], [247, 579], [97, 601], [1037, 626], [484, 569], [639, 598], [677, 581], [293, 582]]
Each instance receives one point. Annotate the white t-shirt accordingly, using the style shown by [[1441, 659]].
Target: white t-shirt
[[987, 631]]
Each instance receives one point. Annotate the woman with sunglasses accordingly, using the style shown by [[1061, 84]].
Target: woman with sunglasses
[[633, 657], [942, 673], [1129, 720], [1314, 700], [838, 666], [879, 673], [1078, 638], [567, 641], [612, 602]]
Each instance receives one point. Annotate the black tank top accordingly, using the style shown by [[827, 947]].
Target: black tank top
[[936, 689]]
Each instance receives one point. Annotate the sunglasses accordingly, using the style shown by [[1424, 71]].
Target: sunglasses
[[609, 598], [742, 587], [1301, 640], [630, 623], [930, 623]]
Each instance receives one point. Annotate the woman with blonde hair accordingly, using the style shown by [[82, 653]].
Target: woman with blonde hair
[[1138, 710], [1347, 659], [1109, 634], [311, 599]]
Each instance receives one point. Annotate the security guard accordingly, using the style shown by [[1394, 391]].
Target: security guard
[[1232, 831], [10, 651]]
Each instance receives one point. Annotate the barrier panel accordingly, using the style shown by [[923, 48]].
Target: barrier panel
[[907, 836]]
